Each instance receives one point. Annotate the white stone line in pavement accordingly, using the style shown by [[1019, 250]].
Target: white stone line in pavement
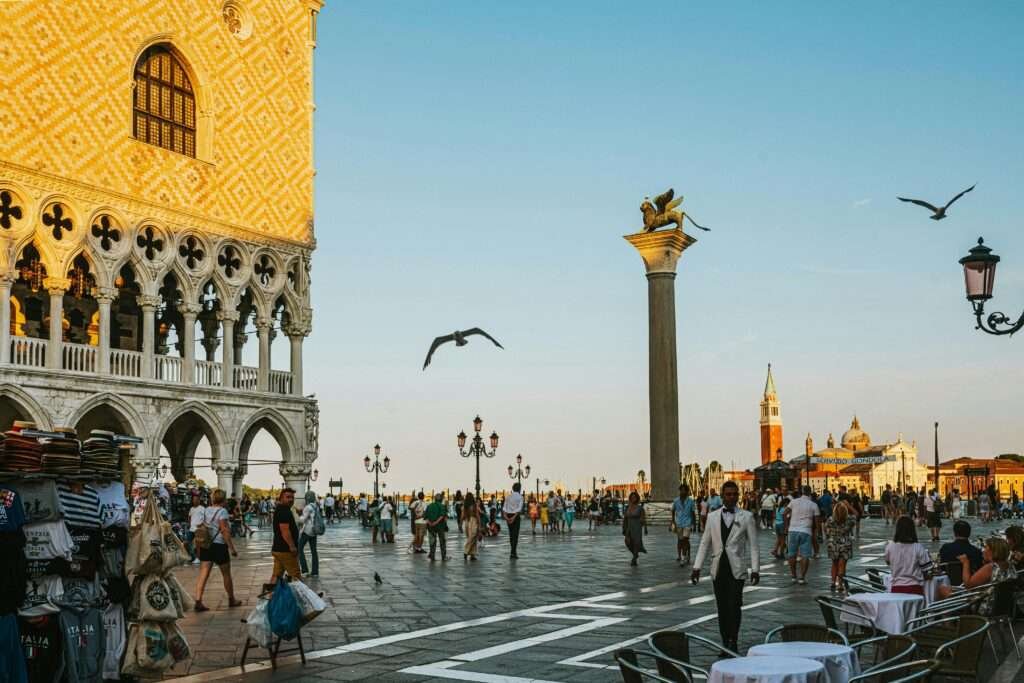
[[580, 660], [515, 645], [444, 670], [699, 600]]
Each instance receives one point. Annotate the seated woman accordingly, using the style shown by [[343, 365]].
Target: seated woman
[[997, 567], [1015, 540], [908, 559]]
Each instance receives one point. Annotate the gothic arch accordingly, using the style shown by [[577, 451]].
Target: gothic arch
[[122, 410], [277, 426], [196, 420], [24, 405]]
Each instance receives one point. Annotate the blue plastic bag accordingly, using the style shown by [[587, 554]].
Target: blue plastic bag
[[284, 612]]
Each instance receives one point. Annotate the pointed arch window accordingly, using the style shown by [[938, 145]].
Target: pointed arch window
[[165, 104]]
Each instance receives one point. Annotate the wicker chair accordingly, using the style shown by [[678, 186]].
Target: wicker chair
[[921, 670], [889, 650], [813, 633], [955, 642], [632, 672], [672, 649]]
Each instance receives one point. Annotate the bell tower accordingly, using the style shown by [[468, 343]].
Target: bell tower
[[771, 422]]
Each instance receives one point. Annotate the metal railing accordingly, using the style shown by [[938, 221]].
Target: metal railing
[[79, 357]]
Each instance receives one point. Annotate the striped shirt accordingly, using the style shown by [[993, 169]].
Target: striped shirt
[[80, 509]]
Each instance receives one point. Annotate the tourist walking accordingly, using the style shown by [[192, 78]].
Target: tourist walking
[[195, 518], [329, 508], [570, 512], [436, 516], [634, 526], [545, 517], [932, 510], [214, 545], [839, 541], [534, 512], [470, 526], [768, 503], [731, 539], [312, 521], [800, 515], [387, 520], [458, 510], [781, 505], [285, 548], [908, 560], [683, 520], [512, 510], [419, 525]]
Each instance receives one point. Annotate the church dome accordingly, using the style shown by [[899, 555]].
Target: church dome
[[856, 438]]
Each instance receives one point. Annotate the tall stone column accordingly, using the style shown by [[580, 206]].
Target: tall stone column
[[6, 281], [148, 304], [236, 482], [189, 313], [263, 331], [226, 475], [228, 320], [296, 336], [56, 286], [104, 298], [660, 252]]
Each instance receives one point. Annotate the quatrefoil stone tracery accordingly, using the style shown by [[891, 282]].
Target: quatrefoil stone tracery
[[265, 269], [55, 219], [191, 252], [149, 243], [106, 233], [228, 260], [8, 210]]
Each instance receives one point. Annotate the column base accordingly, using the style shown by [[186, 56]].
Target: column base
[[658, 512]]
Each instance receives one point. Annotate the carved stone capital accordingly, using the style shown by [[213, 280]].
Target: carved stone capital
[[105, 295], [228, 316], [56, 285], [291, 469], [190, 309], [298, 329], [148, 302], [226, 467], [660, 251], [263, 324]]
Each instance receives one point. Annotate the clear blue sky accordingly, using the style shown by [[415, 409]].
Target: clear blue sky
[[478, 164]]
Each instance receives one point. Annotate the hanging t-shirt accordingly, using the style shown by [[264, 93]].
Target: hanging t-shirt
[[12, 664], [12, 512], [43, 647], [38, 568], [47, 540], [85, 553], [41, 596], [113, 504], [80, 503], [40, 500], [114, 537], [83, 645], [81, 593], [113, 630]]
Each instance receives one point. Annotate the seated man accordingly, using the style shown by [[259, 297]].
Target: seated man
[[961, 545]]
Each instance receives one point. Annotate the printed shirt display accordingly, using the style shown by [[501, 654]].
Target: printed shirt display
[[12, 512], [47, 540], [113, 630], [43, 646], [84, 643], [81, 593], [85, 554], [81, 505], [41, 596], [113, 504], [40, 500]]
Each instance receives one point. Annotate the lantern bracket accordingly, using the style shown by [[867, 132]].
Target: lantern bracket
[[995, 320]]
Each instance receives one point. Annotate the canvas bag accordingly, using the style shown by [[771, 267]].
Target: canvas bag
[[146, 653], [146, 544], [311, 605], [175, 553], [176, 643], [155, 600], [183, 602]]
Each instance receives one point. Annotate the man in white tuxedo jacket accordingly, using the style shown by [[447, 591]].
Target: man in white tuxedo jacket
[[731, 537]]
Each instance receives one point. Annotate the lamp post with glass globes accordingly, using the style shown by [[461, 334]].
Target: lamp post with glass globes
[[518, 472], [377, 467], [477, 448], [979, 280]]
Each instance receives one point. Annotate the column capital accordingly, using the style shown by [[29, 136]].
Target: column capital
[[190, 309], [57, 285], [148, 302], [660, 251], [294, 469], [105, 295], [226, 467], [298, 329], [228, 316], [263, 324]]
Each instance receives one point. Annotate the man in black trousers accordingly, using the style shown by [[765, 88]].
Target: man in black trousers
[[731, 536], [512, 510]]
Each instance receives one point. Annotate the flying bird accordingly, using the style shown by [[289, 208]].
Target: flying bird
[[376, 579], [938, 213], [460, 340]]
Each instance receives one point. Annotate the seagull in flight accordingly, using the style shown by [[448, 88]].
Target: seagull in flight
[[460, 340], [938, 213]]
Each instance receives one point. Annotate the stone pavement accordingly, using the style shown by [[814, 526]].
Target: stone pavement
[[556, 614]]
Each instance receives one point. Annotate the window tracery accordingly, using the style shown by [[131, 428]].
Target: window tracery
[[165, 104]]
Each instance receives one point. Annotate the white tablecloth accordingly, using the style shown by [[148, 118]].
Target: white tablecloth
[[931, 586], [887, 612], [764, 669], [840, 661]]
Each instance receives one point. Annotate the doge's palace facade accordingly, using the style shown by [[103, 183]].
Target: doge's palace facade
[[156, 216]]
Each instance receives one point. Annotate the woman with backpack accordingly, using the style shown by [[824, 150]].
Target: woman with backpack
[[213, 540], [311, 525]]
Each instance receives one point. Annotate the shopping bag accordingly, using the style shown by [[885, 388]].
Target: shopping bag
[[175, 553], [155, 601], [176, 643], [285, 617], [146, 653], [146, 543], [311, 605], [258, 624], [183, 602]]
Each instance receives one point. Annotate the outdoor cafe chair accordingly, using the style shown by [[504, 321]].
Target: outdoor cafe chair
[[921, 670], [891, 649], [955, 642], [673, 650], [632, 672], [812, 633]]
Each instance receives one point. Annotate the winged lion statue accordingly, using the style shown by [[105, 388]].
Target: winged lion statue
[[663, 212]]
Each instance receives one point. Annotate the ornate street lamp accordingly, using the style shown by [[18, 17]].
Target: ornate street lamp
[[477, 448], [518, 472], [979, 281], [377, 467]]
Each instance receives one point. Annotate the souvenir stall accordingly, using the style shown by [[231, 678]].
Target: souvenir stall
[[65, 597]]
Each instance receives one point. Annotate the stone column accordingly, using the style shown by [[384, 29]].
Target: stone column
[[6, 281], [296, 336], [263, 378], [104, 297], [144, 464], [148, 304], [660, 252], [56, 286], [236, 483], [228, 320], [225, 475], [189, 312], [295, 476]]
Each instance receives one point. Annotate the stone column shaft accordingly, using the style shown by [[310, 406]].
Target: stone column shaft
[[228, 351], [189, 313], [148, 305], [296, 363], [263, 378], [55, 349], [5, 318], [104, 299]]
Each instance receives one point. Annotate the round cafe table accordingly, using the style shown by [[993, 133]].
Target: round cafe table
[[887, 612], [840, 661], [767, 669], [931, 586]]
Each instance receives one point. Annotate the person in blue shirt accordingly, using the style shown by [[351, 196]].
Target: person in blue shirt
[[714, 501], [683, 516]]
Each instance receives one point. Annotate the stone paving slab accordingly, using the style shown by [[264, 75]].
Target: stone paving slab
[[557, 614]]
